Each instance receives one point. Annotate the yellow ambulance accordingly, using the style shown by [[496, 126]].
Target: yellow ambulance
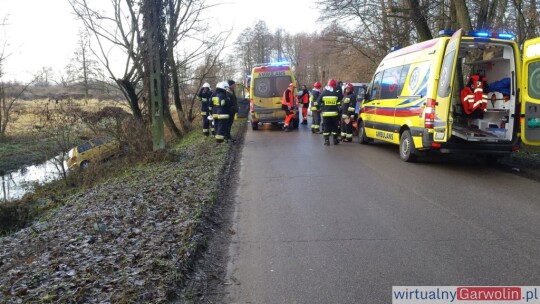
[[464, 92], [268, 83]]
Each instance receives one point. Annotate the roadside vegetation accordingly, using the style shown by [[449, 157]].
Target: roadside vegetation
[[123, 233]]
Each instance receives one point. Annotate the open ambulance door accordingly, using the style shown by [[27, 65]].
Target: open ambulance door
[[530, 99], [443, 120]]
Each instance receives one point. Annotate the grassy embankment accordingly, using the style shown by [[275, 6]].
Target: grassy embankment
[[142, 222]]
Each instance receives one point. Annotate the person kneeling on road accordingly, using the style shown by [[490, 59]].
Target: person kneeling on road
[[287, 104]]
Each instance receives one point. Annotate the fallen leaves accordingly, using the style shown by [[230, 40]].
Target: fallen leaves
[[127, 240]]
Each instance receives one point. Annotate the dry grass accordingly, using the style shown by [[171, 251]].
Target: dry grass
[[28, 116]]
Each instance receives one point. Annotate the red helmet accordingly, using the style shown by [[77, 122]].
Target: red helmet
[[331, 83], [349, 86], [317, 85]]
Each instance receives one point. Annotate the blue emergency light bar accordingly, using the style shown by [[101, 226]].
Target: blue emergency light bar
[[394, 48], [480, 34], [280, 63], [508, 36]]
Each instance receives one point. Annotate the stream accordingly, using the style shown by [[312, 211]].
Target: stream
[[16, 184]]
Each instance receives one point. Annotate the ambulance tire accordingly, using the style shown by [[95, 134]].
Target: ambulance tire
[[407, 152], [362, 138]]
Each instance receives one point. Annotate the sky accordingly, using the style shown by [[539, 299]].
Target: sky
[[44, 33]]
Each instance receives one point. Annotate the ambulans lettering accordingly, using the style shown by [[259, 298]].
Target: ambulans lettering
[[272, 74], [385, 135]]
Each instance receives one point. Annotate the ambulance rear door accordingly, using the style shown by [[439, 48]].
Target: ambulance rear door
[[530, 105], [443, 120]]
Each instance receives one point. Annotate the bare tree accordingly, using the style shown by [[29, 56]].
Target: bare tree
[[184, 22], [117, 36], [83, 68], [123, 29], [7, 104]]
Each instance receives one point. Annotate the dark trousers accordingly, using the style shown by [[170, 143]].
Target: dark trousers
[[206, 125], [346, 129], [330, 126], [316, 120], [222, 127]]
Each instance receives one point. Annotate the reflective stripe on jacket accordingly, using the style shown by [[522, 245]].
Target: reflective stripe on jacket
[[329, 103]]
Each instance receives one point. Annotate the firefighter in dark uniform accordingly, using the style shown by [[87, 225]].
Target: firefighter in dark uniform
[[339, 89], [329, 105], [221, 108], [234, 107], [205, 96], [315, 114], [348, 107]]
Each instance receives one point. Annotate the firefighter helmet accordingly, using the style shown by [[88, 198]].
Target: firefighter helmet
[[349, 86], [331, 83], [206, 85], [317, 85], [222, 85]]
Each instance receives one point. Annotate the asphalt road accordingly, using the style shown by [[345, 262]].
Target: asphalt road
[[343, 224]]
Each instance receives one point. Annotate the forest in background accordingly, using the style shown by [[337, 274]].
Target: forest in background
[[351, 39]]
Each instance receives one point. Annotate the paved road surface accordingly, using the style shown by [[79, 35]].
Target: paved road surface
[[343, 224]]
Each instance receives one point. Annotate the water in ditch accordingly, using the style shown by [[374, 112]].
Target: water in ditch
[[15, 184]]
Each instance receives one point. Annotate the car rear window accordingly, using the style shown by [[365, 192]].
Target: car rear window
[[84, 147]]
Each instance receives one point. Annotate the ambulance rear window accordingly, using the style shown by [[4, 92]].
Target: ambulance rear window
[[266, 87], [534, 84]]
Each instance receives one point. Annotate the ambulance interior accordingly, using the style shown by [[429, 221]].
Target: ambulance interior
[[484, 97]]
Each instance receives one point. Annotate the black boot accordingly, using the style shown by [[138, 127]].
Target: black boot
[[326, 141], [336, 140]]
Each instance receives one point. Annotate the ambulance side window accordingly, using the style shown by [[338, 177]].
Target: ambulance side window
[[374, 88], [392, 81]]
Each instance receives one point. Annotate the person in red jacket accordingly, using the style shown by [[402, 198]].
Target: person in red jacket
[[287, 104], [304, 100]]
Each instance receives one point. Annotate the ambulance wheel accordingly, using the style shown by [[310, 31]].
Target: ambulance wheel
[[407, 152], [362, 138], [255, 126]]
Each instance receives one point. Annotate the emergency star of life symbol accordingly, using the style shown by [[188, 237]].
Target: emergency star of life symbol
[[415, 76], [263, 87], [445, 76]]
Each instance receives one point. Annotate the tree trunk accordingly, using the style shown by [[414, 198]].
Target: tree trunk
[[482, 21], [419, 20], [2, 107], [129, 92], [462, 14]]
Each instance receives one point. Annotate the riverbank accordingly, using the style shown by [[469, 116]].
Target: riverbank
[[129, 239]]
